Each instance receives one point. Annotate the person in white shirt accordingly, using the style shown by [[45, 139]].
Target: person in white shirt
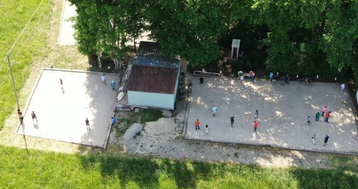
[[103, 77], [342, 88]]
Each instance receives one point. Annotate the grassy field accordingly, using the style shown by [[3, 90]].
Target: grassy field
[[37, 169], [31, 47]]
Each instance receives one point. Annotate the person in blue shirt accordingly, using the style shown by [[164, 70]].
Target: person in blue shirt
[[271, 77], [113, 85], [214, 110], [114, 120]]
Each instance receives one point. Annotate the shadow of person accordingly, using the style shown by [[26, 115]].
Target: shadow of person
[[257, 135], [63, 90], [35, 123]]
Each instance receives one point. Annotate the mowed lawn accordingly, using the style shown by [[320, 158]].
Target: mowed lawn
[[37, 169], [30, 48]]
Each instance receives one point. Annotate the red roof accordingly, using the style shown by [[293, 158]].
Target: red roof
[[152, 79]]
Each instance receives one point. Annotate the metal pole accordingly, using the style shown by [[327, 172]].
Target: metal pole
[[13, 82]]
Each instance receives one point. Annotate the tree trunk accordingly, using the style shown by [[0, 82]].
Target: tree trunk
[[135, 49], [92, 60]]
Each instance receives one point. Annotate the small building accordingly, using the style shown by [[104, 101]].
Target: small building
[[153, 82]]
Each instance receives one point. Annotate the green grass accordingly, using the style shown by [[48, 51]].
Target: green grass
[[143, 116], [31, 46], [38, 169]]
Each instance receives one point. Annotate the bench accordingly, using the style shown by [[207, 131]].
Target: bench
[[204, 73]]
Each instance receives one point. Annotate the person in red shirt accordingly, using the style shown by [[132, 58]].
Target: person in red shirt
[[256, 124], [252, 75], [328, 114], [197, 124]]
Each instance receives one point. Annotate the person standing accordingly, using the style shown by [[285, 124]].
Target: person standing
[[19, 112], [232, 119], [21, 119], [201, 80], [287, 79], [313, 139], [308, 120], [61, 83], [251, 75], [256, 124], [87, 124], [271, 77], [206, 130], [318, 115], [113, 85], [114, 120], [309, 82], [34, 117], [328, 114], [325, 140], [282, 82], [240, 76], [197, 124], [256, 116], [324, 109], [342, 88], [103, 78], [214, 110], [242, 79]]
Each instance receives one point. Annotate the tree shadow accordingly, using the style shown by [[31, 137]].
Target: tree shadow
[[146, 173], [141, 171], [344, 174]]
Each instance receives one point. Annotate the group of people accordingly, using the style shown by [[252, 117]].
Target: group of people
[[285, 79], [33, 116], [232, 120], [104, 81], [325, 141], [113, 119], [325, 113], [87, 122], [240, 75], [197, 127]]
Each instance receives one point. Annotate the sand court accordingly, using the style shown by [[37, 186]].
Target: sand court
[[61, 111], [282, 114]]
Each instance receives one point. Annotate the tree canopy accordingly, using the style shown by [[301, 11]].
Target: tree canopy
[[299, 37]]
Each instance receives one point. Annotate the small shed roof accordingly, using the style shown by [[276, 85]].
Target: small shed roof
[[153, 61], [149, 48], [152, 79]]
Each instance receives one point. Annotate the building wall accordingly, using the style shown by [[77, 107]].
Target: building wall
[[176, 87], [151, 99]]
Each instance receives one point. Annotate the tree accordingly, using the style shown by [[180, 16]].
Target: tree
[[190, 29], [100, 28]]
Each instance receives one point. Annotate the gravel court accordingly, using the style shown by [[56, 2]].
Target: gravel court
[[282, 114], [62, 113]]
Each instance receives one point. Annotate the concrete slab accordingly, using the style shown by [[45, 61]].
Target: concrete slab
[[282, 114], [67, 30], [62, 113]]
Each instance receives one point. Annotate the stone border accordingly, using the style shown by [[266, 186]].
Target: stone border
[[275, 147], [66, 70]]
